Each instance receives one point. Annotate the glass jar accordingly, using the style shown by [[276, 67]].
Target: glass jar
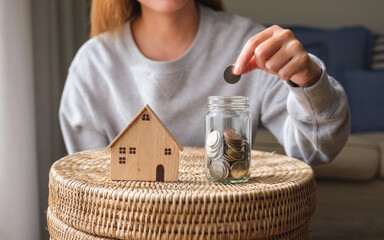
[[228, 139]]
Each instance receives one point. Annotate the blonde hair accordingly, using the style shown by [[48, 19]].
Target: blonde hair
[[110, 15]]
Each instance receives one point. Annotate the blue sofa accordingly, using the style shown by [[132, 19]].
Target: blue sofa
[[350, 189], [347, 53]]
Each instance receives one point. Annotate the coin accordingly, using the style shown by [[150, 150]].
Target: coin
[[239, 169], [234, 146], [213, 138], [232, 134], [218, 170], [230, 77], [214, 145], [234, 154], [208, 161], [211, 153]]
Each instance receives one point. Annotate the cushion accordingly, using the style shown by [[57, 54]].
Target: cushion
[[376, 138], [378, 53], [358, 161], [341, 49], [381, 170], [366, 99]]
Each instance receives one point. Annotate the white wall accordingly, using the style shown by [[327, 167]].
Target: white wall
[[19, 217], [321, 13]]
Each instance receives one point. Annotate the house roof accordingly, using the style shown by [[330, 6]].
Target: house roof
[[153, 114]]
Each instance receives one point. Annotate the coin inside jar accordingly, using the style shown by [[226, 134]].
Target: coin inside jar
[[230, 77], [214, 145], [219, 170], [232, 135], [239, 169], [213, 138], [227, 154]]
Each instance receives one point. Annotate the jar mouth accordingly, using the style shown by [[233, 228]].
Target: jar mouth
[[228, 101]]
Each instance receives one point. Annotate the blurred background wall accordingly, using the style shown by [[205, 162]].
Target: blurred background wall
[[19, 206], [59, 28], [38, 40], [323, 13]]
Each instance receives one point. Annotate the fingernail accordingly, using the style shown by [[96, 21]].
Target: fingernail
[[236, 70]]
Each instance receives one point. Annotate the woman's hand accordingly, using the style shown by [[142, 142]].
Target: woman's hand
[[277, 51]]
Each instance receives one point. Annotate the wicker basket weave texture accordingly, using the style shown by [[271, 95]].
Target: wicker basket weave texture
[[61, 231], [278, 199]]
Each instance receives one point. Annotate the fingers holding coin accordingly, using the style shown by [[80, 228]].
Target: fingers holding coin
[[248, 51], [277, 51]]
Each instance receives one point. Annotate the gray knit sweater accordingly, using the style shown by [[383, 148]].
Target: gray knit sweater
[[110, 80]]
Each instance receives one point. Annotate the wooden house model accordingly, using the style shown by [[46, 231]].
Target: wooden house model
[[145, 150]]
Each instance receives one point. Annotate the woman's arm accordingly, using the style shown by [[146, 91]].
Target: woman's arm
[[312, 121], [78, 126]]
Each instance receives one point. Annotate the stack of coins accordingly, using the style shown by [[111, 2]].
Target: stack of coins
[[227, 154], [214, 145], [234, 145], [219, 170]]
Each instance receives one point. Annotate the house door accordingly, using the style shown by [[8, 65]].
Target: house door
[[160, 173]]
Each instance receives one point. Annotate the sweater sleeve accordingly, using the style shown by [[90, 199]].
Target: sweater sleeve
[[76, 118], [313, 123]]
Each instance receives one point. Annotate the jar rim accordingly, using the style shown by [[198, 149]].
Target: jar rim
[[228, 101]]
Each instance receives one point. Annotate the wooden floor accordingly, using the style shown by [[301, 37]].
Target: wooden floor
[[349, 210]]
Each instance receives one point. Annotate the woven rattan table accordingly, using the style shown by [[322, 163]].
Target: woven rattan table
[[277, 202]]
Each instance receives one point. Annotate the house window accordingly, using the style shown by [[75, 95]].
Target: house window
[[122, 150], [122, 160], [132, 150], [167, 151], [145, 117]]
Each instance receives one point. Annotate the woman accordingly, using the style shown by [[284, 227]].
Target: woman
[[171, 54]]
